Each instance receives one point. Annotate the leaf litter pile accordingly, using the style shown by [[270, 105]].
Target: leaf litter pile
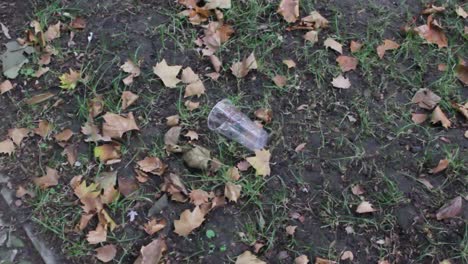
[[139, 188]]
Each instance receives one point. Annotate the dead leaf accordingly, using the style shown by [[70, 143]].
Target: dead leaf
[[128, 98], [302, 259], [18, 134], [316, 20], [5, 31], [91, 130], [69, 81], [264, 114], [333, 44], [462, 72], [443, 164], [65, 135], [341, 82], [311, 36], [290, 63], [53, 32], [168, 74], [127, 185], [107, 152], [48, 180], [260, 162], [450, 209], [45, 59], [426, 99], [7, 147], [6, 86], [172, 120], [365, 207], [439, 116], [248, 258], [426, 183], [152, 253], [300, 147], [96, 106], [433, 33], [72, 154], [280, 80], [199, 197], [174, 186], [461, 12], [41, 71], [152, 165], [418, 118], [232, 191], [289, 9], [21, 192], [116, 125], [172, 136], [197, 88], [189, 76], [214, 76], [78, 23], [323, 261], [463, 109], [355, 46], [241, 69], [431, 9], [43, 129], [107, 182], [191, 105], [198, 158], [192, 135], [347, 63], [213, 4], [154, 225], [233, 173], [387, 45], [357, 189], [290, 230], [39, 98], [442, 67], [106, 253], [216, 62], [97, 236], [243, 165], [347, 255], [188, 221]]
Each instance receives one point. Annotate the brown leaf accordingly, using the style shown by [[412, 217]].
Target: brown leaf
[[48, 180], [192, 135], [347, 255], [347, 63], [214, 76], [189, 76], [355, 46], [53, 32], [450, 209], [199, 197], [418, 118], [462, 72], [116, 125], [426, 183], [431, 9], [21, 192], [461, 12], [315, 20], [323, 261], [154, 225], [311, 36], [128, 98], [289, 63], [216, 62], [133, 69], [433, 33], [41, 71], [127, 185], [198, 158], [443, 164], [43, 129], [233, 173], [232, 191], [152, 165], [91, 130], [18, 134], [7, 147], [191, 105], [241, 69], [289, 9], [107, 152], [357, 189], [290, 230], [243, 165], [302, 259], [365, 207], [172, 136], [174, 186], [168, 74], [78, 23], [6, 86], [196, 88], [280, 80], [65, 135], [387, 45], [97, 236], [39, 98], [107, 182], [463, 109], [96, 106], [45, 59], [248, 258], [189, 221], [106, 253], [333, 44], [439, 116], [341, 82], [172, 120], [152, 253], [260, 162], [264, 114], [72, 154], [426, 99], [442, 67]]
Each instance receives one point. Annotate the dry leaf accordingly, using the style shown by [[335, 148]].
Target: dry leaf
[[21, 192], [280, 80], [174, 186], [431, 9], [300, 147], [172, 120], [243, 165], [443, 164], [107, 152], [172, 136], [357, 189], [106, 253], [463, 109], [192, 135], [78, 23], [213, 4], [333, 44], [216, 62], [96, 106], [72, 154], [433, 33], [426, 183], [461, 12], [233, 173], [355, 46], [290, 63], [426, 99], [127, 185], [418, 118], [48, 180], [311, 36], [199, 197], [116, 125], [439, 116], [315, 20], [323, 261], [18, 134], [260, 162], [191, 105], [387, 45], [347, 255], [214, 76], [241, 69], [248, 258], [302, 259], [341, 82], [154, 226], [365, 207], [189, 76], [70, 80], [45, 59], [53, 32], [462, 72], [107, 182], [7, 147], [197, 88], [41, 71], [290, 230], [39, 98], [6, 86], [347, 63], [198, 158], [43, 129], [189, 221], [128, 98], [97, 236], [451, 209], [232, 191], [152, 253], [264, 114], [92, 131], [442, 67], [168, 74], [289, 9], [65, 135], [152, 165]]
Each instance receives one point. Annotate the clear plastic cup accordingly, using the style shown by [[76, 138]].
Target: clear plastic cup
[[228, 121]]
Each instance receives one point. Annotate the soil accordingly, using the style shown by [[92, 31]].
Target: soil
[[316, 181]]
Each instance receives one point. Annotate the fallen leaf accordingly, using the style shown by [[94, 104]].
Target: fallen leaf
[[5, 31], [43, 129], [107, 152], [106, 220], [216, 62], [290, 63], [199, 197], [18, 134], [198, 158], [232, 191], [48, 180], [188, 221], [260, 162], [53, 32], [450, 209], [6, 86], [127, 185], [290, 230], [213, 4], [264, 114], [96, 106], [311, 36], [189, 76], [69, 81], [333, 44], [243, 165], [347, 255], [21, 192], [365, 207], [172, 120], [462, 72], [133, 69], [289, 9], [387, 45], [172, 136], [248, 258], [258, 246], [174, 186], [45, 59], [347, 63], [316, 20], [433, 33], [116, 125], [300, 147], [72, 154], [418, 118], [152, 165], [91, 130], [426, 183], [154, 225], [280, 80], [97, 236], [443, 164], [431, 9], [39, 98], [107, 182], [439, 116], [323, 261], [7, 147], [41, 71], [192, 135], [191, 105], [233, 173], [461, 12], [241, 69], [355, 46], [65, 135], [128, 98], [168, 74], [302, 259], [463, 109], [442, 67], [152, 253], [357, 190], [426, 99], [214, 76], [197, 88], [106, 253], [78, 23], [341, 82]]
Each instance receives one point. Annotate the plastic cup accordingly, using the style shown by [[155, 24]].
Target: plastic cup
[[228, 121]]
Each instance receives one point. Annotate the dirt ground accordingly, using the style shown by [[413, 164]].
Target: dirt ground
[[359, 136]]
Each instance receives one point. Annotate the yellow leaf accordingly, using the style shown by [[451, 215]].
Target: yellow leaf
[[261, 162], [69, 81], [168, 74]]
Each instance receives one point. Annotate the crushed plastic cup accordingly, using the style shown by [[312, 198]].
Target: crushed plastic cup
[[228, 121]]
